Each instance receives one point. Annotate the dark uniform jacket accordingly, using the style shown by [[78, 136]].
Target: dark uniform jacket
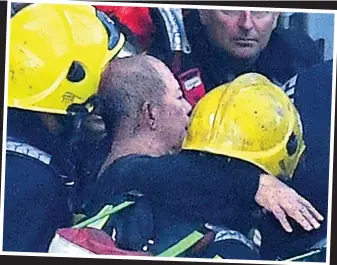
[[183, 191], [311, 91], [36, 198]]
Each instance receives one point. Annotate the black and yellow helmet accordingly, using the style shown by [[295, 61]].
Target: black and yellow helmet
[[57, 54], [251, 119]]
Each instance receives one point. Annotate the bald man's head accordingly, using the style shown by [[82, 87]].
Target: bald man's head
[[143, 101], [128, 83]]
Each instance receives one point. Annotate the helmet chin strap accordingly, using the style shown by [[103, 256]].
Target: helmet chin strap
[[128, 50], [16, 7]]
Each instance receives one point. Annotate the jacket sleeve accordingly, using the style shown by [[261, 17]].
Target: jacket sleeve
[[174, 177], [35, 205], [244, 179]]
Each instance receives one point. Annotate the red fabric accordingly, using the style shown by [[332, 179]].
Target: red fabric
[[192, 85], [96, 241], [137, 19]]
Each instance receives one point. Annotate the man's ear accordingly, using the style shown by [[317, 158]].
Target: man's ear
[[149, 115], [276, 16]]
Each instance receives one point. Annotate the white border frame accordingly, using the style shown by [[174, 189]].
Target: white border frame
[[107, 257]]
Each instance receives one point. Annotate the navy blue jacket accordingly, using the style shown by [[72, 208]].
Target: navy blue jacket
[[36, 198], [311, 91], [188, 188]]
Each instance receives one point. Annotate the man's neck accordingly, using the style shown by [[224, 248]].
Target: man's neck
[[124, 146]]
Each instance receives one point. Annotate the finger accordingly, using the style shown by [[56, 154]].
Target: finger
[[310, 218], [281, 216], [312, 209], [295, 212]]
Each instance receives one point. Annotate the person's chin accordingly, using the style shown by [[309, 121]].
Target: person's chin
[[245, 53]]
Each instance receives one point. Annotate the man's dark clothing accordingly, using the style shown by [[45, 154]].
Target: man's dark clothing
[[315, 111], [311, 178], [286, 54], [36, 198], [189, 187]]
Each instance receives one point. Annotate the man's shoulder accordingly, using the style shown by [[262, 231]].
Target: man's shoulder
[[33, 168], [321, 72], [127, 168], [27, 151], [294, 37], [136, 167], [28, 175], [299, 44], [140, 163], [130, 162], [316, 79]]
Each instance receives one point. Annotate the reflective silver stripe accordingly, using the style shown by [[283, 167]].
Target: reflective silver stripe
[[290, 87], [174, 23], [320, 244], [28, 150], [234, 235], [228, 234]]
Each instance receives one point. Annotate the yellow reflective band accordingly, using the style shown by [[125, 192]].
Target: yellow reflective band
[[97, 222], [77, 218], [217, 257], [182, 245]]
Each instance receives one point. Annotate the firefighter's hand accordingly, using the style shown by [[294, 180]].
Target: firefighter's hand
[[281, 200]]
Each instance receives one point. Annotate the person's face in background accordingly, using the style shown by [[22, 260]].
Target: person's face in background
[[243, 34]]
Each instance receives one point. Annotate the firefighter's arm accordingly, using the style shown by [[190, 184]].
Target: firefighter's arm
[[281, 200]]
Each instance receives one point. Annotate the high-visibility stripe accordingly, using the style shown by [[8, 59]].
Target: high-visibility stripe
[[77, 218], [97, 222], [100, 223], [182, 245], [217, 257]]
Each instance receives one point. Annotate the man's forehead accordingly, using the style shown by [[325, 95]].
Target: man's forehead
[[158, 65], [164, 72]]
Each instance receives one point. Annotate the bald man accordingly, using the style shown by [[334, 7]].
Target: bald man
[[144, 112]]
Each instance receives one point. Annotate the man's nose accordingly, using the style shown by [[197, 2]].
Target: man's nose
[[188, 108], [246, 21]]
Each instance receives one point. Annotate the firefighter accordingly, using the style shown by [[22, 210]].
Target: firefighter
[[241, 136], [57, 54], [312, 177]]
